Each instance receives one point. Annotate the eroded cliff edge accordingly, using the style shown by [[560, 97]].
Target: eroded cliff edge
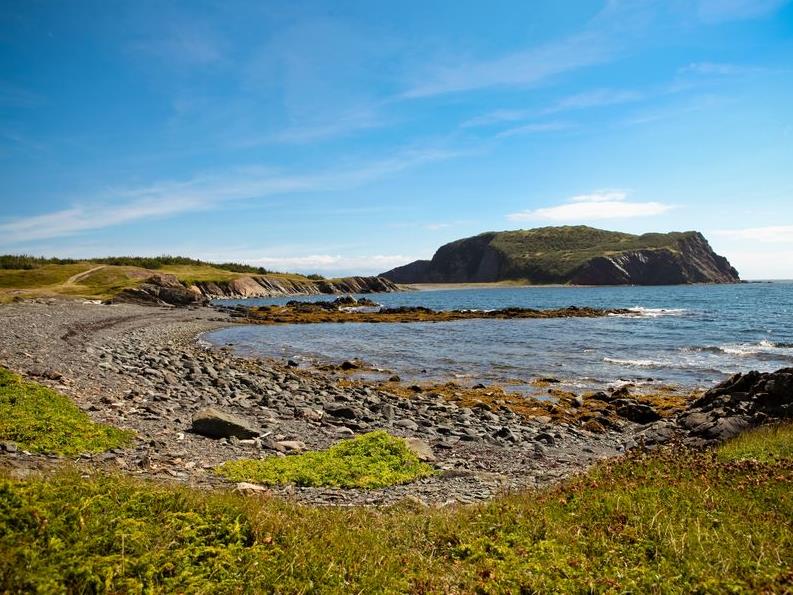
[[577, 255], [168, 290]]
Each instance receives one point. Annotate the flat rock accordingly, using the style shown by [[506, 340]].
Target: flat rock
[[250, 488], [213, 423], [291, 445]]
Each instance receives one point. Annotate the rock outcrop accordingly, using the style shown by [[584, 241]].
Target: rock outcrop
[[167, 290], [579, 255], [739, 403]]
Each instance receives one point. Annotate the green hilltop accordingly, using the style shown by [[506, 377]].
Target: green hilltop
[[572, 254]]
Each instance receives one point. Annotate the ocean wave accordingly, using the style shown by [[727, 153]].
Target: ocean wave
[[760, 348], [636, 363], [656, 312]]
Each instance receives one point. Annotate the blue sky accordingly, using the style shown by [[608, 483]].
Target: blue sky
[[351, 137]]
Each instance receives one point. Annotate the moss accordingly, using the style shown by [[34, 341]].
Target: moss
[[318, 312], [766, 444], [372, 460], [40, 419]]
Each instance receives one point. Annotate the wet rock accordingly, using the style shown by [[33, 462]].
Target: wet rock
[[634, 411], [213, 423]]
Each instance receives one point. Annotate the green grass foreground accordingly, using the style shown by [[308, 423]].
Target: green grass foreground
[[671, 521], [373, 460], [40, 419]]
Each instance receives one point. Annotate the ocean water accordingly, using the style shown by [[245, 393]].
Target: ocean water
[[689, 336]]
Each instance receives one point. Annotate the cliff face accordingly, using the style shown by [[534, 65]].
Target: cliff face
[[578, 255], [168, 290], [692, 262]]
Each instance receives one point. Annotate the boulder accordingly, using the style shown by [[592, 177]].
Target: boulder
[[342, 411], [421, 449], [290, 446], [635, 411], [213, 423], [739, 403]]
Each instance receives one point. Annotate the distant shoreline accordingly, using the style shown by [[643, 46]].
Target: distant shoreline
[[518, 284]]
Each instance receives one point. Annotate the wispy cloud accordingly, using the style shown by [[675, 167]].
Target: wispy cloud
[[496, 117], [12, 95], [719, 69], [692, 104], [332, 262], [185, 45], [594, 98], [520, 68], [774, 234], [588, 99], [720, 11], [535, 128], [166, 199], [603, 204], [335, 126]]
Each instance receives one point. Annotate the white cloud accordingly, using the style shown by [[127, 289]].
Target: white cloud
[[204, 192], [720, 11], [774, 234], [760, 264], [332, 262], [605, 204]]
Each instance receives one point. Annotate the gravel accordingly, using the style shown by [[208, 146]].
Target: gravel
[[145, 368]]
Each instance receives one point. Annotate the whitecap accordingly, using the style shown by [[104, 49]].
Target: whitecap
[[637, 363], [656, 312]]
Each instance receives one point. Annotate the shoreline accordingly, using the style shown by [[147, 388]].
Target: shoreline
[[142, 368], [146, 369]]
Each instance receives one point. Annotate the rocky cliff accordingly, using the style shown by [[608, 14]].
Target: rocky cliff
[[578, 255], [168, 290]]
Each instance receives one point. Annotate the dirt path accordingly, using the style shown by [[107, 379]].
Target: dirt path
[[75, 279]]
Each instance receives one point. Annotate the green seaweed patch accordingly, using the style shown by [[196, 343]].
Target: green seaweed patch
[[373, 460], [766, 444], [40, 419]]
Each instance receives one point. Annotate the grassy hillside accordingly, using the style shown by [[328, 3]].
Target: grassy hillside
[[571, 254], [673, 521], [561, 250], [25, 277]]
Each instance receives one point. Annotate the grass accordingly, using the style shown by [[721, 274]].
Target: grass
[[767, 444], [668, 522], [541, 255], [43, 279], [372, 460], [556, 252], [40, 419]]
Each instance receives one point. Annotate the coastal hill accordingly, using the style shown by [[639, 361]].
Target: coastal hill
[[578, 255], [162, 280]]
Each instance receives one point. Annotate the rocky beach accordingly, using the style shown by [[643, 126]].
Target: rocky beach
[[145, 368]]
